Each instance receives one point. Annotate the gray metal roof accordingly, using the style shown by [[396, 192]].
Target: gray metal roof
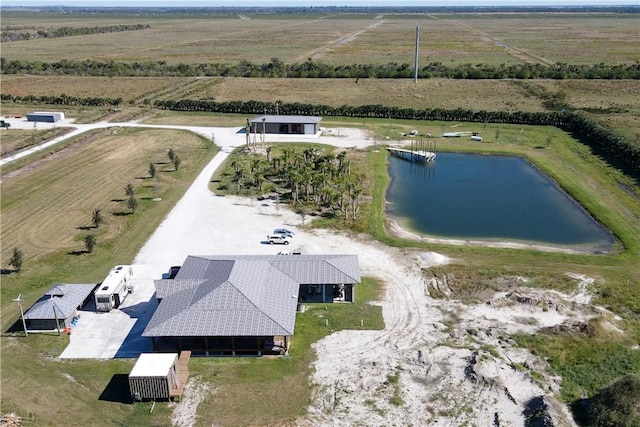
[[245, 295], [285, 119], [65, 299]]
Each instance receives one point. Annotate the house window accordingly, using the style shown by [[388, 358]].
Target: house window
[[296, 128], [284, 128]]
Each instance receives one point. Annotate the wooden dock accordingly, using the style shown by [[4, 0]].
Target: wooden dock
[[183, 374], [413, 155]]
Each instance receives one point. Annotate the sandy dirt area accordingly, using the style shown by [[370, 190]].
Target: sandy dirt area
[[437, 362]]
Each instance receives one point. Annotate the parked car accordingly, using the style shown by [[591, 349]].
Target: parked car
[[281, 239], [284, 231]]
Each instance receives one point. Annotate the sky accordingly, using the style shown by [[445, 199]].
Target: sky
[[309, 3]]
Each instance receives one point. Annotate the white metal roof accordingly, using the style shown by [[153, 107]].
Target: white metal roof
[[268, 118], [60, 301], [153, 364]]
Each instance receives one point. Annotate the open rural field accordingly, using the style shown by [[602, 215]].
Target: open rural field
[[429, 93], [619, 97], [47, 209], [615, 103], [335, 39]]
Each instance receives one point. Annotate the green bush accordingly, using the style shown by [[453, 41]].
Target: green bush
[[616, 405]]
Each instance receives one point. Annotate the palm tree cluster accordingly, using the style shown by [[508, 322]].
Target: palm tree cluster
[[310, 179]]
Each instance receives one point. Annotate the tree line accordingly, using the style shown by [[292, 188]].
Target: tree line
[[21, 34], [313, 69], [63, 100], [588, 131]]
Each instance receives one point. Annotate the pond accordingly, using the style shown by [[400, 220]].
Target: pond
[[489, 198]]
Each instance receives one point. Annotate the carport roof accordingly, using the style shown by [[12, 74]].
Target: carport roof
[[64, 299]]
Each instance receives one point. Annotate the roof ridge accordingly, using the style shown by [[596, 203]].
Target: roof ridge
[[326, 260], [260, 309]]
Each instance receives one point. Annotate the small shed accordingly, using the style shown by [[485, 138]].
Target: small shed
[[45, 116], [58, 307], [284, 124], [159, 376]]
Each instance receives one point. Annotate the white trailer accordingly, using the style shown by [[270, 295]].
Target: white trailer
[[114, 288]]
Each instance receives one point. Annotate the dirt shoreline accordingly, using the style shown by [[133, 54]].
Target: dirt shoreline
[[397, 230]]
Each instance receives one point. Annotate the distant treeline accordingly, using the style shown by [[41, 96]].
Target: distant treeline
[[11, 35], [313, 69], [62, 100], [355, 10]]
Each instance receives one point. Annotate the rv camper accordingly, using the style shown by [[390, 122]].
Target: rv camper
[[114, 288]]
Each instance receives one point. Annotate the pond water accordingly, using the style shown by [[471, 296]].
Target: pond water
[[487, 197]]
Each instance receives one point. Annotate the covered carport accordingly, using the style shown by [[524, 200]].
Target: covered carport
[[58, 307]]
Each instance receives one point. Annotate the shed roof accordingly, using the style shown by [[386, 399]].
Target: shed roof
[[267, 118], [153, 364], [63, 299], [243, 295]]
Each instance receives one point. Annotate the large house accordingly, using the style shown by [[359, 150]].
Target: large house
[[284, 124], [244, 304]]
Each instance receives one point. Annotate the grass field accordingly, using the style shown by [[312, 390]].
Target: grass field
[[50, 222], [336, 39]]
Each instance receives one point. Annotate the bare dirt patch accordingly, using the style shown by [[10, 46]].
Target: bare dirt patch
[[184, 412], [440, 362]]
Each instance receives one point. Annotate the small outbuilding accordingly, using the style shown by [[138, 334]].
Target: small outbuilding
[[284, 124], [58, 307], [159, 376], [45, 116]]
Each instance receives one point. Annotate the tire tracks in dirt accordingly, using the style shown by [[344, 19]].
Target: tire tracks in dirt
[[317, 52], [520, 54]]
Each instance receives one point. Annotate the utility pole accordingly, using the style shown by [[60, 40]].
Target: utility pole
[[24, 324], [415, 73]]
